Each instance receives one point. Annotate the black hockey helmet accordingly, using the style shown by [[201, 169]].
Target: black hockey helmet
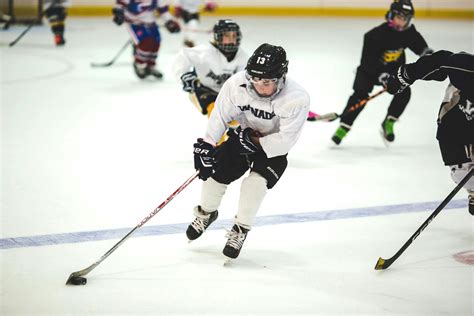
[[223, 26], [268, 62], [402, 8]]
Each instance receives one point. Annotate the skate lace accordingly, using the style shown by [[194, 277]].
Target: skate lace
[[235, 239], [200, 224]]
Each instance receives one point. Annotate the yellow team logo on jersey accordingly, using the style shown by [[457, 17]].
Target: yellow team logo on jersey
[[390, 56]]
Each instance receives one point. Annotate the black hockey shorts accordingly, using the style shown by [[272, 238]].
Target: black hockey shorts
[[231, 165]]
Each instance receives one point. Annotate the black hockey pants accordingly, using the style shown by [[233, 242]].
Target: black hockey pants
[[363, 85]]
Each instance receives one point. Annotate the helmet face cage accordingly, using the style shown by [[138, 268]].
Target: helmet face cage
[[402, 8], [267, 64], [222, 27]]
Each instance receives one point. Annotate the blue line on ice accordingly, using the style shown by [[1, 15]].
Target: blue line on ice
[[65, 238]]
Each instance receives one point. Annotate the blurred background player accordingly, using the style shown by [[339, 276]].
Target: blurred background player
[[456, 116], [204, 69], [382, 53], [141, 24], [5, 19], [188, 11], [271, 110], [56, 15]]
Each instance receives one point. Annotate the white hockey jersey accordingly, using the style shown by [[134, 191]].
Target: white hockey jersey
[[63, 3], [280, 120], [211, 66], [143, 11]]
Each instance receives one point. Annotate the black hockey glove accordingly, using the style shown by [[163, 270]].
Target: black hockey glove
[[398, 81], [204, 159], [172, 26], [190, 81], [247, 146], [119, 16]]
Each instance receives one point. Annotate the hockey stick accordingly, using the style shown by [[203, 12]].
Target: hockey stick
[[110, 63], [76, 277], [383, 264], [32, 24], [329, 117]]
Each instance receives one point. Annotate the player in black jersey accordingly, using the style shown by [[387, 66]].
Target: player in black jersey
[[456, 116], [56, 15], [382, 53]]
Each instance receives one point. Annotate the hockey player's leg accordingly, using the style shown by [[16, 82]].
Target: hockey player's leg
[[56, 15], [471, 201], [348, 118], [140, 55], [363, 85], [264, 175], [190, 33], [206, 213], [191, 21], [252, 192], [6, 19], [387, 128], [203, 98], [458, 172], [140, 69], [395, 110], [147, 44], [340, 133], [154, 47]]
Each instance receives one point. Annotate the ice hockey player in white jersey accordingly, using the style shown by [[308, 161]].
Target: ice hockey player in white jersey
[[140, 19], [204, 69], [271, 110], [188, 11], [56, 13]]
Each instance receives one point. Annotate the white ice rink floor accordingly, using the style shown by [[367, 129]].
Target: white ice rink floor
[[88, 153]]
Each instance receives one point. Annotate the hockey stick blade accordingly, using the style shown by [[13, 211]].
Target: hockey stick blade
[[328, 117], [76, 276], [380, 265], [383, 264], [111, 62], [107, 64]]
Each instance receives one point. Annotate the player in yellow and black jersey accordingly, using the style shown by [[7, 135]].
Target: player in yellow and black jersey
[[383, 52]]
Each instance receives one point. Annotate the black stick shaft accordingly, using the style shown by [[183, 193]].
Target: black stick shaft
[[110, 63], [31, 25], [383, 264], [329, 117], [85, 271]]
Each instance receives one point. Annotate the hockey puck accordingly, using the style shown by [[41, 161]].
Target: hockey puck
[[77, 281]]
